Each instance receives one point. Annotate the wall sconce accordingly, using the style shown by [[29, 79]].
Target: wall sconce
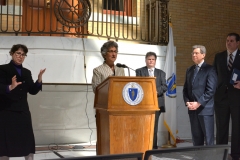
[[48, 3]]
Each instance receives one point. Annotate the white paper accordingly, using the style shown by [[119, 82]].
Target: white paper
[[234, 77]]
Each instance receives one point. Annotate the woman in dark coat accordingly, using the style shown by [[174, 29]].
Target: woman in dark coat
[[16, 133]]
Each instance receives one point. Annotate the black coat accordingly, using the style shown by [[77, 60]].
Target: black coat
[[16, 134], [160, 83], [226, 94], [202, 90], [16, 100]]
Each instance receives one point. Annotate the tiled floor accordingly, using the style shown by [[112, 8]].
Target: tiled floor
[[47, 152], [54, 151]]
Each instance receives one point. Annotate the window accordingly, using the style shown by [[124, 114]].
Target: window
[[118, 7]]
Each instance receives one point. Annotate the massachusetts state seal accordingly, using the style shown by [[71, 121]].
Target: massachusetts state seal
[[132, 93]]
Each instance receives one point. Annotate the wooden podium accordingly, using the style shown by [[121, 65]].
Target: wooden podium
[[124, 128]]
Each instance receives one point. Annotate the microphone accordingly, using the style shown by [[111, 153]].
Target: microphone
[[121, 65], [124, 66]]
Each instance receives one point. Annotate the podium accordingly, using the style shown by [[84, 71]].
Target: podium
[[123, 127]]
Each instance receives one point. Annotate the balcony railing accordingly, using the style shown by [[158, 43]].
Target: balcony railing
[[145, 21]]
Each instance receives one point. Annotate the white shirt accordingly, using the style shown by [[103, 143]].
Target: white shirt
[[200, 64], [152, 71]]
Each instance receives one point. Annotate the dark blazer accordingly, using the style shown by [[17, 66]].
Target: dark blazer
[[224, 88], [16, 100], [160, 83], [203, 88]]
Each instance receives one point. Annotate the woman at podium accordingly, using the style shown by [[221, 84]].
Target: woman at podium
[[109, 52]]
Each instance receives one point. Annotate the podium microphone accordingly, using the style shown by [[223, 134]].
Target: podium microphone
[[124, 66], [121, 65]]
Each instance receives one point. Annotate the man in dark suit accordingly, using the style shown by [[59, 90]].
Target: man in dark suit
[[150, 70], [198, 94], [227, 97]]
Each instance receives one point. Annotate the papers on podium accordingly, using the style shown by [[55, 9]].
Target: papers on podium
[[235, 76]]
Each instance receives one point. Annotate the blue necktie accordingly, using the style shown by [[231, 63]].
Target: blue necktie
[[195, 72]]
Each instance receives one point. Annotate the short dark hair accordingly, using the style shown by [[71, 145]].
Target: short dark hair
[[151, 54], [16, 47], [235, 35], [106, 46]]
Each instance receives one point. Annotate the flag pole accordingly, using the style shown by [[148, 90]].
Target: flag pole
[[168, 145]]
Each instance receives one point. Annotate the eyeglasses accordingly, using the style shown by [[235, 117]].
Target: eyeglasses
[[21, 54], [112, 51], [195, 53]]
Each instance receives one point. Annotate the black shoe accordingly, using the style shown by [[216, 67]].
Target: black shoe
[[156, 147]]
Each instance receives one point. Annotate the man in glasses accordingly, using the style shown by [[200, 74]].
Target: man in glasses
[[198, 92]]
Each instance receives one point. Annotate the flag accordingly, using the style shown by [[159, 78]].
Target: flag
[[169, 117]]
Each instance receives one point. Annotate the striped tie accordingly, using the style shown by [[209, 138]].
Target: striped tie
[[230, 62]]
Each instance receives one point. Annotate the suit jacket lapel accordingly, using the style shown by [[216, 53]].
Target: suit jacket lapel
[[155, 72], [201, 71], [15, 72], [191, 73], [225, 61], [13, 69], [146, 72], [236, 59]]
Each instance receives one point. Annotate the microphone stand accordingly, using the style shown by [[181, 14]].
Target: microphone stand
[[124, 66], [128, 71]]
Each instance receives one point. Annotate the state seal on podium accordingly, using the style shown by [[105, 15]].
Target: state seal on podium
[[132, 93]]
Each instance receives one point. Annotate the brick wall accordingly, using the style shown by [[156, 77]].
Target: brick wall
[[201, 22]]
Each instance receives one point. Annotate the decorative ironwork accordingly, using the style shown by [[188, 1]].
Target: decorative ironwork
[[72, 15], [143, 21], [164, 21]]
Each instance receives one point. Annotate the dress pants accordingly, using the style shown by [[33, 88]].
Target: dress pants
[[157, 114], [222, 122], [202, 128]]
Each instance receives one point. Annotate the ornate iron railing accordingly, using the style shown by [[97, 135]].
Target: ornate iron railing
[[136, 20]]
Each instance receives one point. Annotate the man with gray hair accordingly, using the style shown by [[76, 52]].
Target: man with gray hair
[[198, 92]]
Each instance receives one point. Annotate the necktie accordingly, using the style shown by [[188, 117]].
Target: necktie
[[230, 62], [195, 72], [151, 73]]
